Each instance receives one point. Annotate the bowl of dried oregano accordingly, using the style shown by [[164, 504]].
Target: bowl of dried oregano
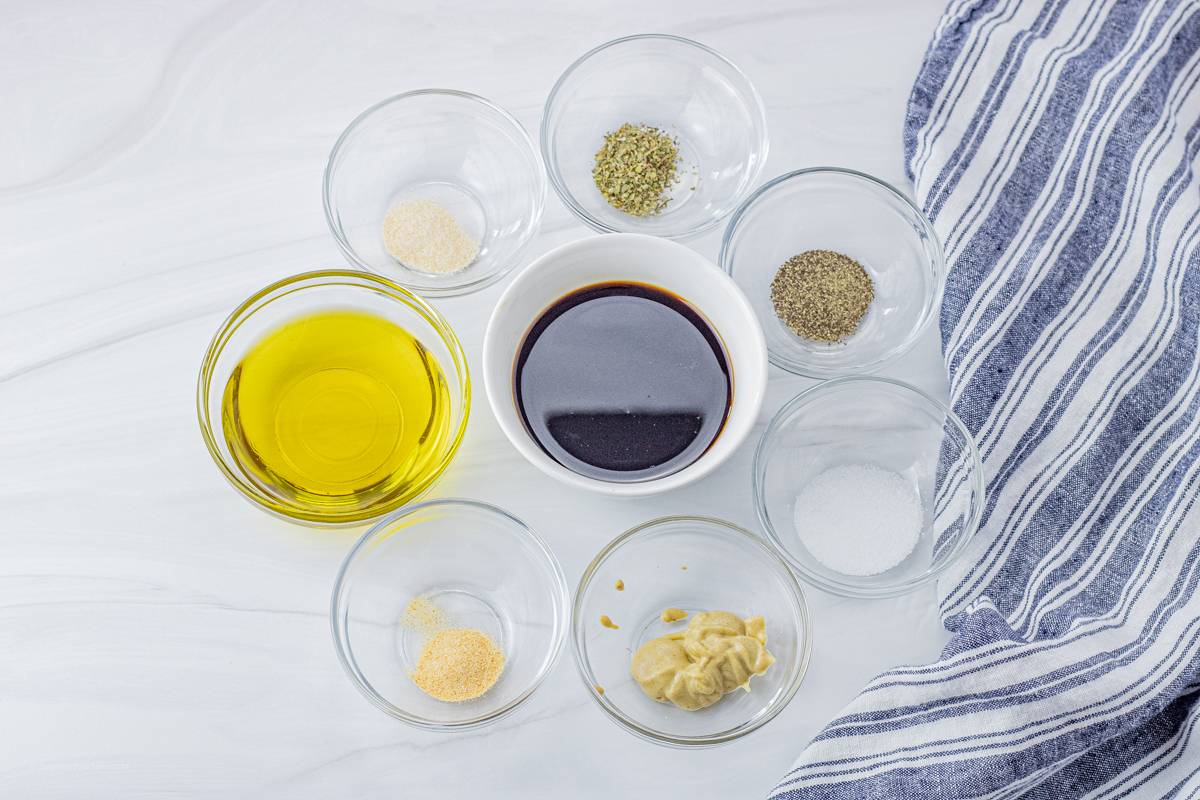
[[653, 134]]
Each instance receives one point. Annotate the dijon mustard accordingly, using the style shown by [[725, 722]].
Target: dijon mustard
[[717, 653]]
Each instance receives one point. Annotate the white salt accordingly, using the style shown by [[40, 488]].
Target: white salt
[[859, 519]]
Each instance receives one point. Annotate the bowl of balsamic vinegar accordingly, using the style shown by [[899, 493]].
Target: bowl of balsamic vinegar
[[625, 364]]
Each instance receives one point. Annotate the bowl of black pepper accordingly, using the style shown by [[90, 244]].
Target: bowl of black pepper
[[653, 134], [844, 272]]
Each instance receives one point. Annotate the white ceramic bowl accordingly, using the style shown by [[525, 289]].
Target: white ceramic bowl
[[635, 258]]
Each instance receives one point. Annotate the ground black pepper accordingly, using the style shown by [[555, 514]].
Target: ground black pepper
[[822, 295]]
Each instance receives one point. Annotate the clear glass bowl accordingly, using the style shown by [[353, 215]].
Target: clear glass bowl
[[306, 294], [695, 564], [880, 422], [859, 216], [483, 567], [455, 148], [678, 86]]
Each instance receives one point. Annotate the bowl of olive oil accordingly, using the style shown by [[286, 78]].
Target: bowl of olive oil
[[332, 398]]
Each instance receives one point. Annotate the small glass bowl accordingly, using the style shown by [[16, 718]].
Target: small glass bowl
[[306, 294], [480, 565], [695, 564], [678, 86], [455, 148], [880, 422], [825, 208]]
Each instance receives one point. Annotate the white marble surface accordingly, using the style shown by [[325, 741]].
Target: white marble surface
[[161, 161]]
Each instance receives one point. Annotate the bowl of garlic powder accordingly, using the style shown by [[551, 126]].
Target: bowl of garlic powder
[[440, 191], [449, 614]]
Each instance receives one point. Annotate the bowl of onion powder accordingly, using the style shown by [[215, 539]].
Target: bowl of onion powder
[[437, 190], [869, 487]]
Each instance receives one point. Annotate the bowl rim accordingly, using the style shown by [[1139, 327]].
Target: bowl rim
[[334, 277], [341, 641], [498, 387], [453, 289], [711, 740], [551, 165], [758, 477], [928, 313]]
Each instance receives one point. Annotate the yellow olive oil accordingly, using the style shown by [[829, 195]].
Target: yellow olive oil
[[338, 410]]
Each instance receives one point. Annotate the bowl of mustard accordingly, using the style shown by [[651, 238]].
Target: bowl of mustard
[[690, 631]]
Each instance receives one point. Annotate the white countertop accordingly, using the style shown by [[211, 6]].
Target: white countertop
[[161, 162]]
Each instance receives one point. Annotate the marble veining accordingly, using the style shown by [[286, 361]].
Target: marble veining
[[159, 163]]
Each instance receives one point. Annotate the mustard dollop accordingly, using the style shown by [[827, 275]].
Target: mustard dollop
[[715, 654]]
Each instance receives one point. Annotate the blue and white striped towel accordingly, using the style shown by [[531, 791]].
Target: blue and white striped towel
[[1052, 144]]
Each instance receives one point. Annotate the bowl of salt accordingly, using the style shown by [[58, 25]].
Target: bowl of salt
[[869, 487]]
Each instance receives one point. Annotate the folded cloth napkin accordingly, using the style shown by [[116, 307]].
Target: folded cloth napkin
[[1052, 144]]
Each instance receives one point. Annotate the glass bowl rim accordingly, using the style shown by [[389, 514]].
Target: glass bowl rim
[[345, 652], [710, 740], [451, 290], [937, 267], [248, 308], [758, 477], [551, 164]]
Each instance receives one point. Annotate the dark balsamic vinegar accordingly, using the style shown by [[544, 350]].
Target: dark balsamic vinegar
[[623, 382]]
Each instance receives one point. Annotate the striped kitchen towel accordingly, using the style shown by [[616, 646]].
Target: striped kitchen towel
[[1052, 143]]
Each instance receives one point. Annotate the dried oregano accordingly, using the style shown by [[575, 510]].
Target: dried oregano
[[635, 167], [822, 295]]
